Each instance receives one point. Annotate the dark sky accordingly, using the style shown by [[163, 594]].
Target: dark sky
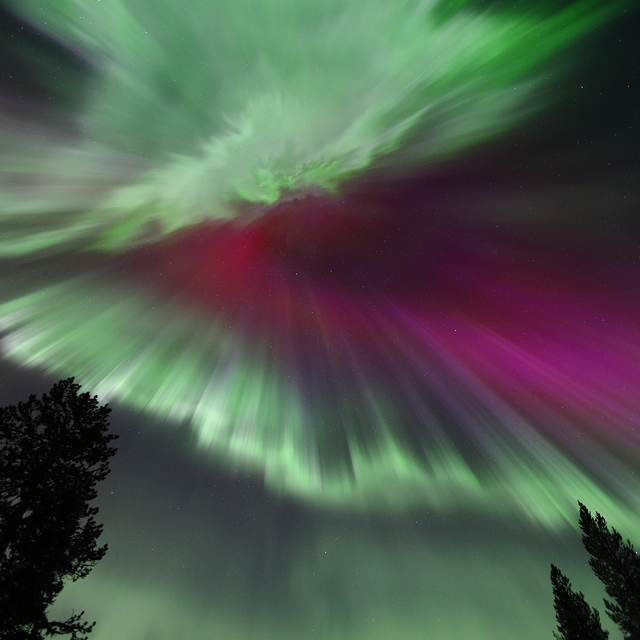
[[365, 409]]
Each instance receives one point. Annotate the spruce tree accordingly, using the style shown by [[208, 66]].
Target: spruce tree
[[53, 451], [617, 565], [576, 619]]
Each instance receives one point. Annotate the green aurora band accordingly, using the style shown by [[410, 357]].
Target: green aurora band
[[268, 98]]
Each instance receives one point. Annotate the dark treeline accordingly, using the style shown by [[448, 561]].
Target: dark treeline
[[53, 451], [616, 564]]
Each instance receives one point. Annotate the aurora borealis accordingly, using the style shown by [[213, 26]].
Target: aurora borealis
[[360, 278]]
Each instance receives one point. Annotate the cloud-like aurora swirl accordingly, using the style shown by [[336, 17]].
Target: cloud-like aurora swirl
[[233, 267]]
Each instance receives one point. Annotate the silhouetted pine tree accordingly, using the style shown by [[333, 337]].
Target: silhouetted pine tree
[[576, 619], [53, 451], [617, 565]]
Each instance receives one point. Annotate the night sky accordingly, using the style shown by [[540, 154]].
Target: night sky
[[360, 280]]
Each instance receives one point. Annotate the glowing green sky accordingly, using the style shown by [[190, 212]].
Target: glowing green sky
[[269, 97], [194, 555]]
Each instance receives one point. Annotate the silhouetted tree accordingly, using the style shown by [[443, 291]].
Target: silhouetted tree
[[576, 619], [53, 451], [617, 565]]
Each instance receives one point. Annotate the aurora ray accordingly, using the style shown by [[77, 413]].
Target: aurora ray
[[357, 345]]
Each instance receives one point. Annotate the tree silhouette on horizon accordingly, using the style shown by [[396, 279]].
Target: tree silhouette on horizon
[[616, 564], [576, 619], [53, 451]]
